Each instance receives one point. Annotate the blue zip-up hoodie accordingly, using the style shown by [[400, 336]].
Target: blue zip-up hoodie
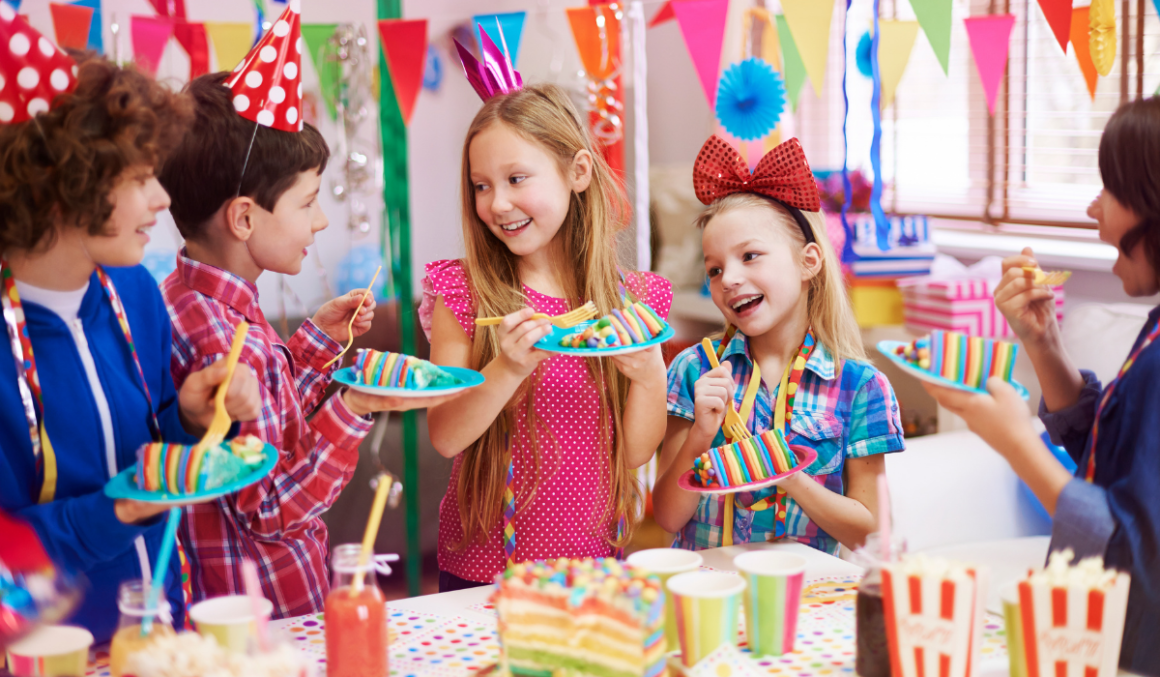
[[79, 528]]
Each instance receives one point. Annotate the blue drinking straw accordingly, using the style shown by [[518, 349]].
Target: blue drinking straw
[[153, 594]]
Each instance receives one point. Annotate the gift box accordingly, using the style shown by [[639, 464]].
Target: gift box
[[898, 247], [1072, 631], [934, 617], [964, 305]]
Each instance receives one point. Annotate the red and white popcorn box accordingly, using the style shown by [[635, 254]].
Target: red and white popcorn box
[[964, 305], [934, 617], [1073, 630]]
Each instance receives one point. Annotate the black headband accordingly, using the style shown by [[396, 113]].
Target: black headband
[[797, 215]]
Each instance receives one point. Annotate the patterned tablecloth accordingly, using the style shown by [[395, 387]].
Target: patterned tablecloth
[[427, 645]]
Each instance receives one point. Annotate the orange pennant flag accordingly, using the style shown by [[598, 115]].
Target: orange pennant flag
[[1083, 54], [599, 49], [71, 23]]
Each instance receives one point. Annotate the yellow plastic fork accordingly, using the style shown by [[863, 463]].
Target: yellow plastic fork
[[220, 424], [566, 321], [734, 427], [1051, 279]]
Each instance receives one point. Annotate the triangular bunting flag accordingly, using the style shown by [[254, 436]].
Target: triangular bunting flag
[[893, 54], [809, 22], [267, 84], [96, 28], [512, 26], [793, 68], [316, 36], [702, 24], [599, 56], [404, 44], [150, 34], [174, 9], [1058, 15], [1079, 43], [71, 24], [990, 38], [935, 18], [666, 14], [192, 38], [231, 42]]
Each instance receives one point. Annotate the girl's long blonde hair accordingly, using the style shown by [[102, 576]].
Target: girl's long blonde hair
[[543, 115], [828, 305]]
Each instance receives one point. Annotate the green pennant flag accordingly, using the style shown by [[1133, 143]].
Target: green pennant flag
[[935, 18], [315, 36], [793, 69]]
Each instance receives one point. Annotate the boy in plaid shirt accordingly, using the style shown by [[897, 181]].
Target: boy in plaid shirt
[[236, 227]]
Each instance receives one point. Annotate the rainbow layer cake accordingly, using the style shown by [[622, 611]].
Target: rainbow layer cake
[[395, 370], [581, 617], [969, 360], [635, 323], [179, 469], [752, 459]]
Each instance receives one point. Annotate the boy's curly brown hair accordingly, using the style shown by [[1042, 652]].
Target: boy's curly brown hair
[[60, 167]]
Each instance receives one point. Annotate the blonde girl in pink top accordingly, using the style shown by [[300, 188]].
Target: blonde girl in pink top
[[541, 212]]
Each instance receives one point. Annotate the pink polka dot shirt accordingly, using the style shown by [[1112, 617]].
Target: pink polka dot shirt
[[565, 518]]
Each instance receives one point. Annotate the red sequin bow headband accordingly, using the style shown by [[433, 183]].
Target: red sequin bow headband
[[783, 174]]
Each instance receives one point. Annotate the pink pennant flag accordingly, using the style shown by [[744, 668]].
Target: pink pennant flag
[[150, 35], [990, 38], [703, 26]]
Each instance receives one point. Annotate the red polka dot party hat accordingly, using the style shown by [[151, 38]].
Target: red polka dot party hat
[[267, 84], [33, 70]]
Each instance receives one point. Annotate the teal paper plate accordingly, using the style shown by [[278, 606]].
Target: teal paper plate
[[124, 485], [551, 342], [887, 348], [469, 378]]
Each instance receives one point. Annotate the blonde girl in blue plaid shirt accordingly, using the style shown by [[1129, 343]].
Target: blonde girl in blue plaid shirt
[[775, 285]]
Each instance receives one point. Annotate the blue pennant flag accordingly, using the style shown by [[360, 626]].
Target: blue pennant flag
[[512, 24], [96, 31]]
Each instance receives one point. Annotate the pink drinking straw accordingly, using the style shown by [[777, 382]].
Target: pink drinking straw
[[884, 518], [254, 589]]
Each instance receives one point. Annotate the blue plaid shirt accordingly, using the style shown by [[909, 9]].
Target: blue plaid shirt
[[842, 411]]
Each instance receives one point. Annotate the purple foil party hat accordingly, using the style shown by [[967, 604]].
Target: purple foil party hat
[[495, 73]]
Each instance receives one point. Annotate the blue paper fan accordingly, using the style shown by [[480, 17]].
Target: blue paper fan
[[750, 99]]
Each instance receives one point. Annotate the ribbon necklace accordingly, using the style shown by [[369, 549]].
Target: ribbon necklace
[[782, 416], [28, 380], [1090, 472]]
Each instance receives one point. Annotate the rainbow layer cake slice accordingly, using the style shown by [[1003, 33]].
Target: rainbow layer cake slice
[[179, 469], [581, 618], [635, 323], [969, 360], [395, 370], [752, 459]]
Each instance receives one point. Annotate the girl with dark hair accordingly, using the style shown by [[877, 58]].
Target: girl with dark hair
[[1111, 508], [87, 380]]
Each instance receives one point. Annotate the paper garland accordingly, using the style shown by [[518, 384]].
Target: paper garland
[[702, 25], [149, 34], [404, 43], [96, 28], [666, 14], [750, 99], [231, 42], [935, 18], [1058, 14], [793, 69], [71, 24], [1079, 44], [1101, 34], [893, 55], [990, 38], [316, 37], [809, 23], [192, 38], [512, 26]]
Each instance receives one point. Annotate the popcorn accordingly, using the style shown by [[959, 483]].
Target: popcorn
[[191, 655]]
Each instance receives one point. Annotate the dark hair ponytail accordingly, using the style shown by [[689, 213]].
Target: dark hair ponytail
[[1130, 168]]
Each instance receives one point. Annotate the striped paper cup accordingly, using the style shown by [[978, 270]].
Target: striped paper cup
[[666, 563], [772, 599], [51, 651], [707, 604], [1014, 629]]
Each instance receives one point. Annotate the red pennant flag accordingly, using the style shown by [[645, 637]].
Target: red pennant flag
[[1083, 54], [193, 40], [150, 35], [170, 8], [71, 23], [404, 43], [663, 15], [1058, 15]]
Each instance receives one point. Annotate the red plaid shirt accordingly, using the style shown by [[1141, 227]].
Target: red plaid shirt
[[276, 521]]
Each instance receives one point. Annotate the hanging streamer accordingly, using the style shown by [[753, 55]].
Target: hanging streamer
[[596, 31], [640, 135]]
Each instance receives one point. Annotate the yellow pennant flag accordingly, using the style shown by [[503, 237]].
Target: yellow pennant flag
[[231, 42], [894, 46], [809, 23]]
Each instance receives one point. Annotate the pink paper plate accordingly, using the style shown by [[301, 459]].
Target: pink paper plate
[[805, 455]]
